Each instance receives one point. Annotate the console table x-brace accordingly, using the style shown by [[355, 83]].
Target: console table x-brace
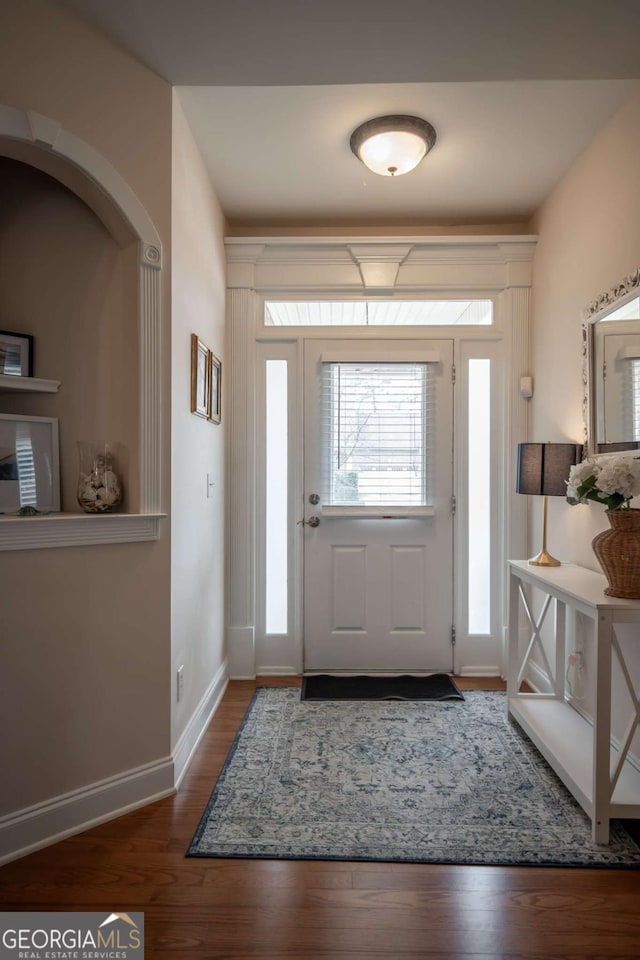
[[598, 773]]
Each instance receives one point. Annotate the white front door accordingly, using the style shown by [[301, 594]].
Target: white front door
[[378, 478]]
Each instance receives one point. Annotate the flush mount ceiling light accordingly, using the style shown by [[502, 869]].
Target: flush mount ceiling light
[[392, 145]]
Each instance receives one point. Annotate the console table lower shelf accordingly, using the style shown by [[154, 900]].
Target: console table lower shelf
[[565, 740], [599, 775]]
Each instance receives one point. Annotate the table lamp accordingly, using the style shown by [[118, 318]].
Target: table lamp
[[543, 470]]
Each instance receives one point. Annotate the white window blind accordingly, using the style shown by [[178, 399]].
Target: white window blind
[[26, 466], [633, 399], [377, 433]]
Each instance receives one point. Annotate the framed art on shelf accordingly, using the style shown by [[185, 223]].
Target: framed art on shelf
[[200, 377], [215, 409], [29, 464], [16, 354]]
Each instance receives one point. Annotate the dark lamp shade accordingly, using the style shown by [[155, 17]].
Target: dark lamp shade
[[543, 468]]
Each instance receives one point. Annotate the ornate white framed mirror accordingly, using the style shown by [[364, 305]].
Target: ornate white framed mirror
[[611, 369]]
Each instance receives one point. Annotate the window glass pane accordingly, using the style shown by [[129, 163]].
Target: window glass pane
[[26, 466], [276, 559], [378, 313], [479, 496], [632, 396], [376, 420]]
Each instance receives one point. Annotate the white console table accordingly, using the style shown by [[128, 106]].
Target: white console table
[[598, 774]]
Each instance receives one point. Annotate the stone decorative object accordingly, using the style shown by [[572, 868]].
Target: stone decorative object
[[99, 482]]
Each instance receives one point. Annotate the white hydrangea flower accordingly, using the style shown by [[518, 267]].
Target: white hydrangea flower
[[577, 475], [613, 481], [620, 475]]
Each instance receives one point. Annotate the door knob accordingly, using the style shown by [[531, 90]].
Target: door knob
[[311, 522]]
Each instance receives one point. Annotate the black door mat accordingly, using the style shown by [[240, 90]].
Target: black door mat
[[438, 686]]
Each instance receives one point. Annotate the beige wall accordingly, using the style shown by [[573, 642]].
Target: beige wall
[[197, 446], [84, 667], [589, 239], [52, 63], [85, 631]]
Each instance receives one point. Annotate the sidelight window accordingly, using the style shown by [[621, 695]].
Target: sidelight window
[[276, 496], [479, 496]]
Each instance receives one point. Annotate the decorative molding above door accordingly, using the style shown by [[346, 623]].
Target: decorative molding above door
[[356, 264]]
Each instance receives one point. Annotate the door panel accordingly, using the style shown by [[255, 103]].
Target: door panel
[[407, 595], [349, 579], [378, 588]]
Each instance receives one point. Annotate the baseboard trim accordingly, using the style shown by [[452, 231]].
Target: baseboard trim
[[277, 672], [241, 652], [538, 679], [471, 671], [192, 734], [53, 820]]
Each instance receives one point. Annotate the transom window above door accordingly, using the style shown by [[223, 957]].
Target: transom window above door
[[378, 313]]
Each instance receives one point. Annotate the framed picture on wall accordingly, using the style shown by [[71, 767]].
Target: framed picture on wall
[[216, 390], [29, 464], [16, 354], [200, 377]]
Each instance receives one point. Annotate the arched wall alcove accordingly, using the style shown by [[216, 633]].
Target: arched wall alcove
[[43, 144]]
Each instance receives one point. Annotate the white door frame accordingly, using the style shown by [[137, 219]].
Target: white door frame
[[426, 645], [298, 269]]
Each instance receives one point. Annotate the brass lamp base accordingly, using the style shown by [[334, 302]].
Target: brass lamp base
[[544, 559]]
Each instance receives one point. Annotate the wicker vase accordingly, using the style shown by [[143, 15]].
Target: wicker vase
[[618, 551]]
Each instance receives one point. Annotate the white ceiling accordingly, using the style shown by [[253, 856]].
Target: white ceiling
[[273, 88], [279, 153]]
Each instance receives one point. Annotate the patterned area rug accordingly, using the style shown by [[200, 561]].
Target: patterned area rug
[[429, 782]]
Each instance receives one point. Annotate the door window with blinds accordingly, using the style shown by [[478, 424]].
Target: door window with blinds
[[377, 434]]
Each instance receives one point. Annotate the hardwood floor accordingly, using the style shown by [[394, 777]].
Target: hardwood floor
[[200, 909]]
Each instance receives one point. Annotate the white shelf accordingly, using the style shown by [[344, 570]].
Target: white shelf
[[77, 529], [573, 583], [69, 529], [583, 755], [565, 739], [10, 384]]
